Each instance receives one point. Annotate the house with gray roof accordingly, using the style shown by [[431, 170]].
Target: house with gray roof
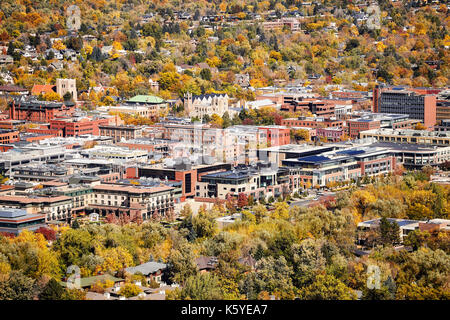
[[152, 270]]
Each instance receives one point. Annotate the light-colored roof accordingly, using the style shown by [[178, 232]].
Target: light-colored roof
[[147, 268], [146, 99], [89, 281]]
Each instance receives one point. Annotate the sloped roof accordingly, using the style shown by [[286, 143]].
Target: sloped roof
[[147, 268], [89, 281], [39, 88]]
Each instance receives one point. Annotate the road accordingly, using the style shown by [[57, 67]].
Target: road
[[310, 199]]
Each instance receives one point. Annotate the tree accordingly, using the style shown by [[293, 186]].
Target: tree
[[260, 212], [17, 287], [205, 74], [52, 291], [327, 287], [203, 286], [186, 211], [130, 290], [272, 275], [73, 244], [281, 211], [389, 232], [242, 200], [48, 233], [204, 225], [308, 261], [181, 263]]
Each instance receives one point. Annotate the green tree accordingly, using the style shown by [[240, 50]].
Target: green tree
[[52, 291], [17, 287], [202, 286], [181, 263], [327, 287], [389, 232]]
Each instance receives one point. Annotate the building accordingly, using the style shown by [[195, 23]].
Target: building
[[401, 101], [276, 135], [24, 155], [258, 181], [320, 108], [16, 220], [133, 200], [312, 122], [355, 126], [208, 104], [120, 132], [186, 173], [7, 90], [431, 138], [405, 227], [151, 270], [74, 127], [39, 111], [444, 126], [6, 59], [9, 136], [292, 24], [41, 89], [64, 86], [343, 165], [333, 134], [51, 207]]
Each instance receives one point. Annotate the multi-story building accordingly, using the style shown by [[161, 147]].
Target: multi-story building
[[276, 135], [400, 101], [444, 126], [22, 156], [355, 126], [257, 181], [343, 165], [208, 104], [292, 23], [409, 136], [67, 85], [331, 134], [186, 173], [39, 111], [311, 122], [9, 136], [133, 200], [54, 207], [119, 132], [16, 220], [74, 127]]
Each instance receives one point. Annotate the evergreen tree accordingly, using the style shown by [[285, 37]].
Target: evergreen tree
[[52, 291]]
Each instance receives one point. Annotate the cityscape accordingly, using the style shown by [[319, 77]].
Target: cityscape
[[224, 150]]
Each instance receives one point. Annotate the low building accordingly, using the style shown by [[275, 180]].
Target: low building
[[120, 132], [311, 122], [16, 220], [151, 270], [432, 138], [51, 207]]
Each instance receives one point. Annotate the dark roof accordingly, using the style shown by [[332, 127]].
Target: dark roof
[[351, 152], [12, 88], [314, 159]]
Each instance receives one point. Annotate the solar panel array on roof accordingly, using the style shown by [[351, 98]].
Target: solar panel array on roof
[[350, 152], [314, 159]]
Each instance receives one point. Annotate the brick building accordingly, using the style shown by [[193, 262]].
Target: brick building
[[39, 111], [73, 127], [416, 105]]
